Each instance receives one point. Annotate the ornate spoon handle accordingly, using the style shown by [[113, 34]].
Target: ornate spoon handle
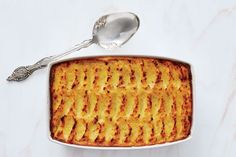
[[23, 72]]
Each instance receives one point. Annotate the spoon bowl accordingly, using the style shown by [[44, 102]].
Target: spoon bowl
[[114, 30]]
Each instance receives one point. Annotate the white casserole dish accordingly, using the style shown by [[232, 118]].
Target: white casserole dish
[[120, 148]]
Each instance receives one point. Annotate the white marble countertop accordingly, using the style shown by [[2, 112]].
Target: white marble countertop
[[201, 32]]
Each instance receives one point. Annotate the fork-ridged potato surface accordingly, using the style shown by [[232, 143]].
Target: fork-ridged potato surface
[[120, 101]]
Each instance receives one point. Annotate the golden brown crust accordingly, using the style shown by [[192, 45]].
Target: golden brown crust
[[120, 101]]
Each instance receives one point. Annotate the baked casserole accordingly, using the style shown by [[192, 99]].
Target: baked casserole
[[120, 101]]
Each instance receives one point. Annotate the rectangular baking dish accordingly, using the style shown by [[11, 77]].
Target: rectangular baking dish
[[120, 148]]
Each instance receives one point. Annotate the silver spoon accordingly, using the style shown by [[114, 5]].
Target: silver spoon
[[110, 31]]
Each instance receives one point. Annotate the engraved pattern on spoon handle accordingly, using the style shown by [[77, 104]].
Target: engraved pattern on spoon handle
[[23, 72]]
